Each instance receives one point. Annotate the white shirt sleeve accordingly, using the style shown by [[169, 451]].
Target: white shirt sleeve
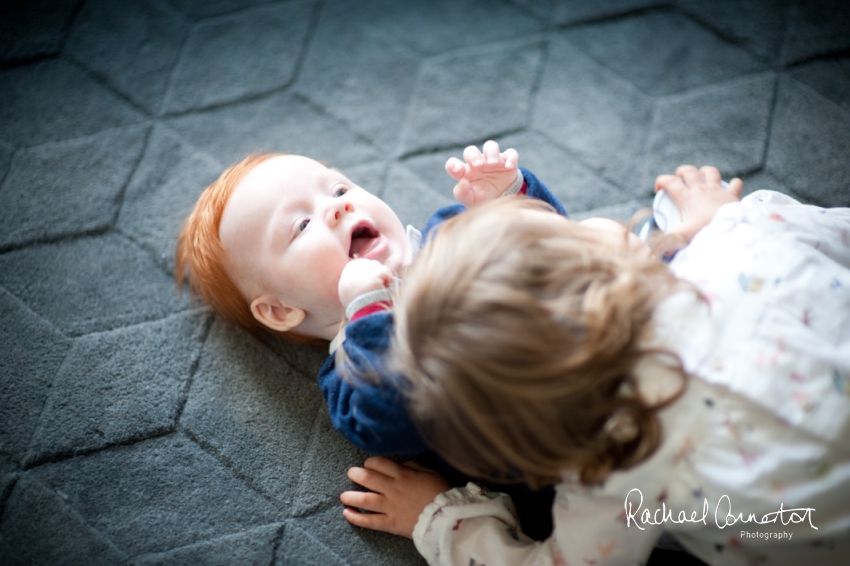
[[471, 526]]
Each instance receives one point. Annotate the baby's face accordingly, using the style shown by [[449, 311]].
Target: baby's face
[[289, 229]]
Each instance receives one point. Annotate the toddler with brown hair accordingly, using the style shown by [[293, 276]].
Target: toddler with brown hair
[[708, 399]]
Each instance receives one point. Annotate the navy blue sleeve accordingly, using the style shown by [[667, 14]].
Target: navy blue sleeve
[[534, 189], [439, 217], [370, 412]]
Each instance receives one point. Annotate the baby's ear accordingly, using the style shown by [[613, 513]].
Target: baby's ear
[[275, 315]]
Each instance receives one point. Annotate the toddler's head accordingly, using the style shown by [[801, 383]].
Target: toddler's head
[[266, 243], [518, 330]]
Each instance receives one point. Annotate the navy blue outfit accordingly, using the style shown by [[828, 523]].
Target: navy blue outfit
[[373, 416]]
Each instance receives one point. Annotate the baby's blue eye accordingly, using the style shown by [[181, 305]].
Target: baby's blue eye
[[303, 225], [340, 192]]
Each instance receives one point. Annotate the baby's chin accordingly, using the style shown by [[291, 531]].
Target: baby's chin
[[326, 329]]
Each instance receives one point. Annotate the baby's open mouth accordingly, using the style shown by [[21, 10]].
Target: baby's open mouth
[[362, 239]]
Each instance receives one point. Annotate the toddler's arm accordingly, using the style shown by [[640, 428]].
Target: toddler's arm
[[698, 194], [483, 176], [471, 525]]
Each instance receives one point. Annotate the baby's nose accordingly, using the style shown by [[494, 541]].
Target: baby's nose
[[340, 210]]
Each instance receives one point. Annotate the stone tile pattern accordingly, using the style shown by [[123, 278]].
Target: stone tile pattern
[[135, 428]]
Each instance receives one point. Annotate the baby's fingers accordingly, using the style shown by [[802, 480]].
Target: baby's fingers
[[511, 158], [472, 155], [463, 193], [382, 272], [491, 152], [455, 168]]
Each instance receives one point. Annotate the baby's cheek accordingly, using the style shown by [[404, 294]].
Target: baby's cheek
[[314, 287], [328, 283]]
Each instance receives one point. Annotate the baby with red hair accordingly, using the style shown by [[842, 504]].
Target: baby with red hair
[[282, 243]]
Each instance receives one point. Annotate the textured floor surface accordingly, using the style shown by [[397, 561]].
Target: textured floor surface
[[134, 428]]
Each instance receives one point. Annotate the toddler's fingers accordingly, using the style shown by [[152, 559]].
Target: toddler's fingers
[[369, 479], [665, 181], [455, 168], [736, 187], [690, 174], [472, 155], [711, 174], [511, 158], [383, 466], [417, 466], [363, 500], [491, 151], [680, 170], [374, 521]]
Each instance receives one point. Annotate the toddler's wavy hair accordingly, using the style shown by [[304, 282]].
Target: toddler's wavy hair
[[519, 338], [200, 256]]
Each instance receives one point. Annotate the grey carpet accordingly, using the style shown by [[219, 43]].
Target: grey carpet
[[134, 428]]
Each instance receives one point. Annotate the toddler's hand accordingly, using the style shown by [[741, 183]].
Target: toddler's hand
[[361, 276], [399, 494], [698, 194], [483, 176]]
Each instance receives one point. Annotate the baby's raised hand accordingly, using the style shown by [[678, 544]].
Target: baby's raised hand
[[360, 276], [481, 177], [698, 195]]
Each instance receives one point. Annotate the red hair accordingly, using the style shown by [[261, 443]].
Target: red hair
[[200, 256]]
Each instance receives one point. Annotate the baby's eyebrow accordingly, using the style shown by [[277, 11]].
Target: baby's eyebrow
[[283, 230], [283, 219], [335, 175]]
